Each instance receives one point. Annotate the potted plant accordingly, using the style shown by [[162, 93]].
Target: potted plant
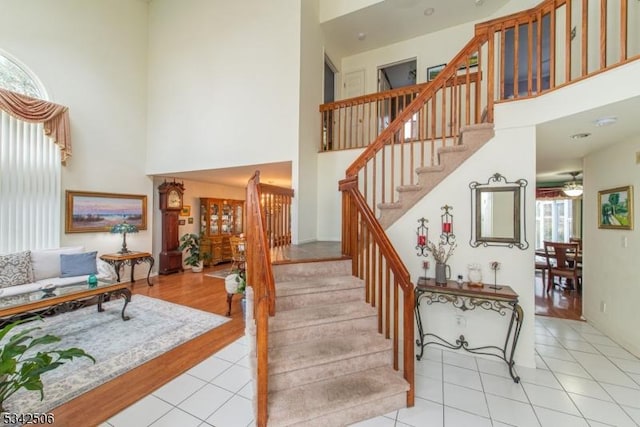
[[195, 259], [21, 370], [236, 283]]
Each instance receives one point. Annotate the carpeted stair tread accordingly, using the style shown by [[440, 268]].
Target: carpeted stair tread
[[324, 351], [310, 401], [320, 314], [317, 284]]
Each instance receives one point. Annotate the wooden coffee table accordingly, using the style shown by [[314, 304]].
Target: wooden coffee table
[[61, 299]]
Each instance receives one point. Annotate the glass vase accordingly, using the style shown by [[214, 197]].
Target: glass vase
[[474, 273]]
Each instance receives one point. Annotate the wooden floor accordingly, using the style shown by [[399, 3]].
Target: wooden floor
[[191, 289], [194, 290], [207, 293], [557, 303]]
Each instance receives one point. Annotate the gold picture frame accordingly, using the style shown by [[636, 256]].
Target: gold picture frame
[[185, 211], [90, 212], [615, 208]]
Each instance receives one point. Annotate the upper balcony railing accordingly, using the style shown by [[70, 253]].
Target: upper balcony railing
[[515, 57]]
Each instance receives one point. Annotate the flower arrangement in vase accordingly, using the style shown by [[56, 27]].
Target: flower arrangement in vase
[[441, 254]]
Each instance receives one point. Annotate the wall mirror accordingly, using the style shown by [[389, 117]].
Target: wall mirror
[[498, 213]]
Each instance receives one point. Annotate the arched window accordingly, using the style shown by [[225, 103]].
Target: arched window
[[30, 171]]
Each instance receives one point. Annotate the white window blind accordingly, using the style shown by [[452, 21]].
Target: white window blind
[[30, 171]]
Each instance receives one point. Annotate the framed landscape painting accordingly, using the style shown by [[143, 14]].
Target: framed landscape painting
[[88, 212], [432, 72], [615, 208]]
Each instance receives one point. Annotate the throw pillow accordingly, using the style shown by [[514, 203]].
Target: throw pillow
[[78, 264], [46, 262], [15, 269]]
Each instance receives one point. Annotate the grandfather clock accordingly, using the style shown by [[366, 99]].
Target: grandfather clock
[[171, 194]]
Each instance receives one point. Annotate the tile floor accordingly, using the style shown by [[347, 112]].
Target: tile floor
[[582, 378]]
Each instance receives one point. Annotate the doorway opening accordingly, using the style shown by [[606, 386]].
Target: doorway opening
[[394, 76]]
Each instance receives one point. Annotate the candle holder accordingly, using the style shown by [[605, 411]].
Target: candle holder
[[423, 237], [446, 220], [425, 267]]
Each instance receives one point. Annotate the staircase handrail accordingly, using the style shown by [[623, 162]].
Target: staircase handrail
[[260, 278], [400, 272], [441, 81], [377, 96]]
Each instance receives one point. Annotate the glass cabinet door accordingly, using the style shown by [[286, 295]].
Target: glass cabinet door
[[204, 213], [227, 219], [213, 220], [239, 227]]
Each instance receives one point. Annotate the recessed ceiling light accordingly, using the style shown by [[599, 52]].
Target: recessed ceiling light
[[362, 36], [580, 135], [605, 121], [429, 11]]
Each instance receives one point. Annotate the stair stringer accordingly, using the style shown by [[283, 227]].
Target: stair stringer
[[449, 158]]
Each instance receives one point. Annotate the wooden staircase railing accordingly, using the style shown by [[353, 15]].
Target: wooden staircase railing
[[488, 69], [449, 102], [508, 59], [356, 122], [276, 203], [387, 282], [260, 278]]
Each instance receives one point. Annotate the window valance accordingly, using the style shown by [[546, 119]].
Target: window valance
[[551, 193], [54, 117]]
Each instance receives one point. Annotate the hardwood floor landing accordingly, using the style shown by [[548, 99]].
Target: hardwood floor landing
[[557, 303], [190, 289]]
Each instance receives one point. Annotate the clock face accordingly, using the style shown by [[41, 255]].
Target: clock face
[[173, 199]]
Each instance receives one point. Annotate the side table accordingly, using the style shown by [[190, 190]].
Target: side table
[[501, 299], [117, 260]]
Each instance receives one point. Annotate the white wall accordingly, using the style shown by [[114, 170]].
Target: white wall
[[429, 50], [224, 84], [91, 57], [331, 9], [311, 93], [517, 270], [332, 166], [610, 273]]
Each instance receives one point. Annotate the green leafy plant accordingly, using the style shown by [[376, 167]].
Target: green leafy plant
[[191, 242], [241, 280], [21, 370]]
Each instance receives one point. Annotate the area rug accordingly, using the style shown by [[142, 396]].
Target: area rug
[[155, 327], [220, 274]]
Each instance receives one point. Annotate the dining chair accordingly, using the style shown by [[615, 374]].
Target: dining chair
[[561, 263], [541, 264], [577, 240], [238, 258]]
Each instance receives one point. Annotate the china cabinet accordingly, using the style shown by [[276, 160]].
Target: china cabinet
[[219, 220]]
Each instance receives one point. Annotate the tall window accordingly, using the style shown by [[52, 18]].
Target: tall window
[[30, 171], [554, 221]]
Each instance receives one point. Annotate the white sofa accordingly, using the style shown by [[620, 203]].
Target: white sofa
[[46, 270]]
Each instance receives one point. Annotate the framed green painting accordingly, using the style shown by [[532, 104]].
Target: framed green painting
[[615, 208]]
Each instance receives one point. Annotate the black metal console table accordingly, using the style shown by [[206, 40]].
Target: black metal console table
[[502, 300]]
